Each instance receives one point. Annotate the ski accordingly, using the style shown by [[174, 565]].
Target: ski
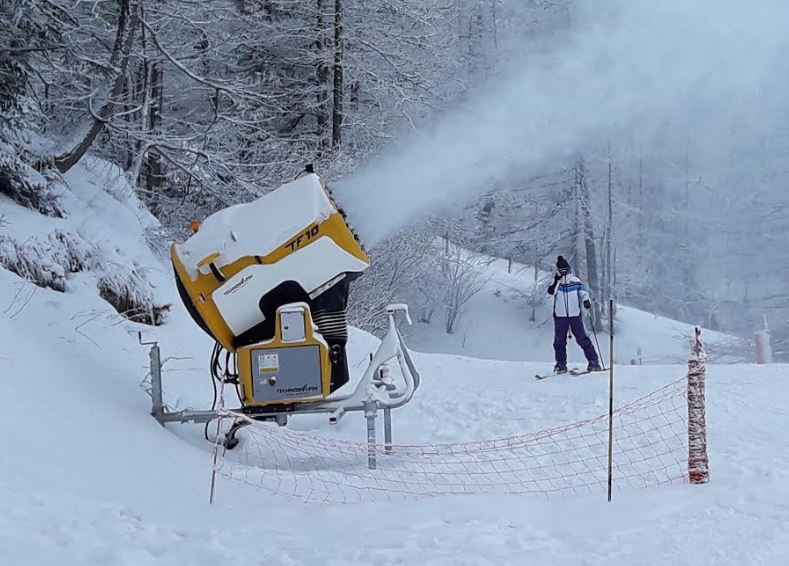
[[547, 375], [575, 372], [578, 373]]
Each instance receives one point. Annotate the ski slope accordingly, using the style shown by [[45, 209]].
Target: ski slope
[[88, 477], [496, 324]]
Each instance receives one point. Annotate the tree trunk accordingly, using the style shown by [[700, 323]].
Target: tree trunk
[[153, 160], [689, 265], [127, 24], [321, 76], [641, 215], [337, 110], [594, 284], [587, 235], [128, 105], [533, 317], [494, 24], [142, 91], [577, 250], [613, 274]]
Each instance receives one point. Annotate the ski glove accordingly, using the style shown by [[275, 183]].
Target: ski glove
[[587, 305]]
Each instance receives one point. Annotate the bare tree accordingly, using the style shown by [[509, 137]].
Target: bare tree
[[401, 267], [460, 280]]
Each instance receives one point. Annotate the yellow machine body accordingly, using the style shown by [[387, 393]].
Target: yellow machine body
[[267, 372], [248, 266]]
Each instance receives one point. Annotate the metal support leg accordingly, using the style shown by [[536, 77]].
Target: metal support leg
[[387, 430], [370, 412], [157, 407]]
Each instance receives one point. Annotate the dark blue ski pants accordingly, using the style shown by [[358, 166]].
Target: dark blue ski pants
[[561, 325]]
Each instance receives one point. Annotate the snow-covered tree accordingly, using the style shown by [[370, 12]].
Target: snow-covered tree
[[25, 35]]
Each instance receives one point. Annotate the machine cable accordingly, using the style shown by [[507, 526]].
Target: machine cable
[[222, 374]]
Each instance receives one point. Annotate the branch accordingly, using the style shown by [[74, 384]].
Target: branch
[[127, 24]]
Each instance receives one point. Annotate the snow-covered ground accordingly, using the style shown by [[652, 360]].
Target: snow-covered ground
[[88, 477]]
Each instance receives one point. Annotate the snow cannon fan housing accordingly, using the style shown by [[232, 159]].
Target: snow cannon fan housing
[[269, 280]]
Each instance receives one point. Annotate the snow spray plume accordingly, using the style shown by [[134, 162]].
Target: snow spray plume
[[628, 64]]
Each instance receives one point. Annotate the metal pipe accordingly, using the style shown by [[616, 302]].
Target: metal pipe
[[197, 417], [387, 430], [157, 406], [335, 417], [370, 412]]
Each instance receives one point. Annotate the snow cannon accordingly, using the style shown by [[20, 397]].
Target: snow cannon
[[269, 281]]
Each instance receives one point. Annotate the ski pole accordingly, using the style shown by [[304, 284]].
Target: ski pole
[[594, 333]]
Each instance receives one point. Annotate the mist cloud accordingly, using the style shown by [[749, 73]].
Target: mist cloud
[[626, 63]]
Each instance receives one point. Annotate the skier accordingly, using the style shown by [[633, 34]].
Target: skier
[[568, 299]]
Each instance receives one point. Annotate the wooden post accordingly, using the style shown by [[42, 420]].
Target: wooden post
[[764, 350], [610, 400], [698, 461]]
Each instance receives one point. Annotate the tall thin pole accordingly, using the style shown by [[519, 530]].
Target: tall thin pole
[[157, 407], [217, 442], [610, 398]]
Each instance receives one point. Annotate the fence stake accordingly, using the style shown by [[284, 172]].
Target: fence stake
[[610, 400], [698, 461]]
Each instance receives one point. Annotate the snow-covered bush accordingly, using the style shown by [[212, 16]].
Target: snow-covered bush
[[46, 262], [43, 262], [25, 185], [131, 295]]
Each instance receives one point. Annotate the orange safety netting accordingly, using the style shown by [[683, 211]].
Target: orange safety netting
[[650, 448]]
